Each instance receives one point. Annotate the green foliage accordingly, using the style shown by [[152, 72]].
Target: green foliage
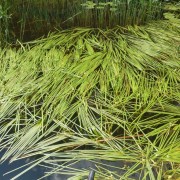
[[122, 12], [4, 22], [32, 19], [97, 95], [91, 94]]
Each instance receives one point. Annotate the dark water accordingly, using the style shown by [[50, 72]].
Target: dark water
[[33, 174], [38, 171]]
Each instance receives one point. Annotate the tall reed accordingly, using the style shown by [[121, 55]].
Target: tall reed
[[33, 18]]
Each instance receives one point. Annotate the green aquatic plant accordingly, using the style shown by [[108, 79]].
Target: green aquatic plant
[[122, 12], [4, 22], [93, 94], [32, 19]]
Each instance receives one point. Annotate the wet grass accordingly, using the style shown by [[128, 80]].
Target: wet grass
[[93, 94]]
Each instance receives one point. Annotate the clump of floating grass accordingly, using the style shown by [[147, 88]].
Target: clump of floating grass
[[96, 95]]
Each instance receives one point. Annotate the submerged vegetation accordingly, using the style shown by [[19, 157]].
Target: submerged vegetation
[[94, 94]]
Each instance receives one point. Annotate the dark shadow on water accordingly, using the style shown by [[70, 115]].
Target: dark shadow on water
[[39, 171]]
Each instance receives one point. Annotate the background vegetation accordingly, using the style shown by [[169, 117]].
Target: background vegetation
[[31, 19]]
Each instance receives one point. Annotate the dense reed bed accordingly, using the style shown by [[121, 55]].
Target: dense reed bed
[[91, 94], [27, 20]]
